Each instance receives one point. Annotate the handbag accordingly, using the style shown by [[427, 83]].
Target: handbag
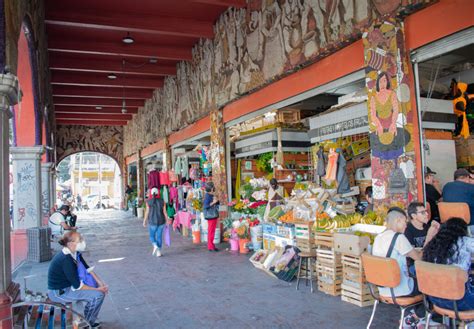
[[211, 212], [85, 276]]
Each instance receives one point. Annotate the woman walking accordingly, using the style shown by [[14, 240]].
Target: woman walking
[[211, 214], [155, 215]]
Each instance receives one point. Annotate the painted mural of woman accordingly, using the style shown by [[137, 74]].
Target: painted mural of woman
[[387, 140]]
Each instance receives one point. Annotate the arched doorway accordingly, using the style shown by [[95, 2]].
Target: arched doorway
[[89, 180]]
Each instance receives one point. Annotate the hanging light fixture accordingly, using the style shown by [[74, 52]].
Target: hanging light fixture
[[124, 104], [128, 39]]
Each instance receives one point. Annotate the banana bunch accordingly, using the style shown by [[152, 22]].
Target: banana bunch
[[355, 218]]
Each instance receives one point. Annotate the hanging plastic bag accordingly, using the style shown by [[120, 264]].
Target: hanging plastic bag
[[167, 235]]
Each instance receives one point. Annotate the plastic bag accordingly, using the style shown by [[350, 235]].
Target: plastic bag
[[167, 235]]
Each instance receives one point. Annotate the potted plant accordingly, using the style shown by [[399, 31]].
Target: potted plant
[[141, 210], [244, 237]]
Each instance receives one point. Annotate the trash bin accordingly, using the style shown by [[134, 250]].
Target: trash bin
[[39, 244]]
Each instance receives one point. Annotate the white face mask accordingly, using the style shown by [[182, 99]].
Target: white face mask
[[81, 246]]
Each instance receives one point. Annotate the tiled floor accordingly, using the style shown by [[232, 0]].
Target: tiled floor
[[191, 288]]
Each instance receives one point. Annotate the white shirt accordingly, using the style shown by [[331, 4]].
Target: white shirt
[[400, 250], [55, 223]]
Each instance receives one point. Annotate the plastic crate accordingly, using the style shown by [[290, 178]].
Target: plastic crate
[[39, 244]]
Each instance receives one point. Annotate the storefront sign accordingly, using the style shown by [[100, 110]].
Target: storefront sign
[[343, 128], [248, 165]]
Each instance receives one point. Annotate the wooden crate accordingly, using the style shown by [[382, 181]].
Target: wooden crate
[[359, 296], [324, 239], [304, 231], [305, 245], [329, 288], [289, 116], [328, 256], [354, 288], [329, 273]]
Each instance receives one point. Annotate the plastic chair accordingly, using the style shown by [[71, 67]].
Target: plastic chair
[[385, 272], [443, 281], [448, 210]]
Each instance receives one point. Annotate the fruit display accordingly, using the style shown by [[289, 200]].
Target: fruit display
[[325, 223], [371, 236], [276, 213], [288, 217]]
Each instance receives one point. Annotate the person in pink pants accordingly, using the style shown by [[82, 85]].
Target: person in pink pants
[[211, 214]]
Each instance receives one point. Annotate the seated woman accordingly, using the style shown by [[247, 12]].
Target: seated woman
[[64, 284], [452, 246]]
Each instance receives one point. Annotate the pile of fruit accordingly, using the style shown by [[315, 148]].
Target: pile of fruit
[[276, 213], [288, 217], [325, 223]]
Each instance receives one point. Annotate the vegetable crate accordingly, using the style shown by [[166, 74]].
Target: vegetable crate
[[324, 239], [304, 231], [329, 271], [354, 286], [305, 245]]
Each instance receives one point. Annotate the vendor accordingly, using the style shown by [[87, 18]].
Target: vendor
[[275, 194]]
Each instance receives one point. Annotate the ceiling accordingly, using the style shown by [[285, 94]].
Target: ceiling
[[85, 47]]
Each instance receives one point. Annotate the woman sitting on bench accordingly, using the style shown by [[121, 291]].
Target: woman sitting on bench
[[64, 284]]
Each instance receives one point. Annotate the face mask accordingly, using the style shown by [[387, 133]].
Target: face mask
[[81, 246]]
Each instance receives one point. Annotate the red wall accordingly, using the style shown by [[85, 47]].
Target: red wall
[[25, 113]]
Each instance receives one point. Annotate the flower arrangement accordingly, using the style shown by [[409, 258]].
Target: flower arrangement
[[243, 231]]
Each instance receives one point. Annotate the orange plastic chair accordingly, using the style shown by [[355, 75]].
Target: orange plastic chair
[[385, 272], [448, 210], [443, 281]]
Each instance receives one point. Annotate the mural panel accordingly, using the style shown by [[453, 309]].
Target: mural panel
[[391, 118], [253, 47], [106, 140]]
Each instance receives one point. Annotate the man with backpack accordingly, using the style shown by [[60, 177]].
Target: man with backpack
[[59, 221]]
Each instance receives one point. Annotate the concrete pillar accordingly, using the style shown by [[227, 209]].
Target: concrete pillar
[[217, 154], [393, 123], [46, 185], [9, 94], [27, 186], [167, 156], [140, 178]]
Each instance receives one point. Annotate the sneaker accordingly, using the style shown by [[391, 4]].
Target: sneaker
[[216, 250], [155, 248], [158, 252], [411, 320]]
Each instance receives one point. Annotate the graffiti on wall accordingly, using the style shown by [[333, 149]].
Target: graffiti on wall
[[253, 47], [104, 139], [390, 115]]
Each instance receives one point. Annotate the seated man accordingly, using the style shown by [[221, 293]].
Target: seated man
[[401, 250], [461, 190], [57, 221], [418, 232]]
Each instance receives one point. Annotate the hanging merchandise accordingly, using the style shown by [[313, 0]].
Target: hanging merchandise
[[322, 159], [206, 169], [331, 169], [184, 167], [173, 176], [164, 178], [343, 185], [178, 166], [153, 179], [165, 193]]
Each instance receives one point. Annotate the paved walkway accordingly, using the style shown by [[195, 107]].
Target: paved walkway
[[191, 288]]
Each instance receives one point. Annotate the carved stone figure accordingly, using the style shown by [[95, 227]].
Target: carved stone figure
[[274, 50]]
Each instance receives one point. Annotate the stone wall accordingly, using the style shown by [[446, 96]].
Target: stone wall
[[253, 47], [104, 139]]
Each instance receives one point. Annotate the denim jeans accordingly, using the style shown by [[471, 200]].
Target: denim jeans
[[93, 299], [156, 234], [464, 304]]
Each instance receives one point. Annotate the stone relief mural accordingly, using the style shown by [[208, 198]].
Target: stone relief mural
[[103, 139], [253, 47]]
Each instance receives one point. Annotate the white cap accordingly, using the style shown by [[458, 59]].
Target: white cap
[[154, 191]]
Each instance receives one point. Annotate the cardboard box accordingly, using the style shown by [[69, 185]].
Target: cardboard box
[[349, 243]]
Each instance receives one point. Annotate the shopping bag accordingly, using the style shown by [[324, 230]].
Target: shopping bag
[[167, 235]]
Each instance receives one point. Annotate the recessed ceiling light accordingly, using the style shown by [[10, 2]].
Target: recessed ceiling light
[[98, 107], [124, 110], [111, 76], [153, 60], [128, 39]]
